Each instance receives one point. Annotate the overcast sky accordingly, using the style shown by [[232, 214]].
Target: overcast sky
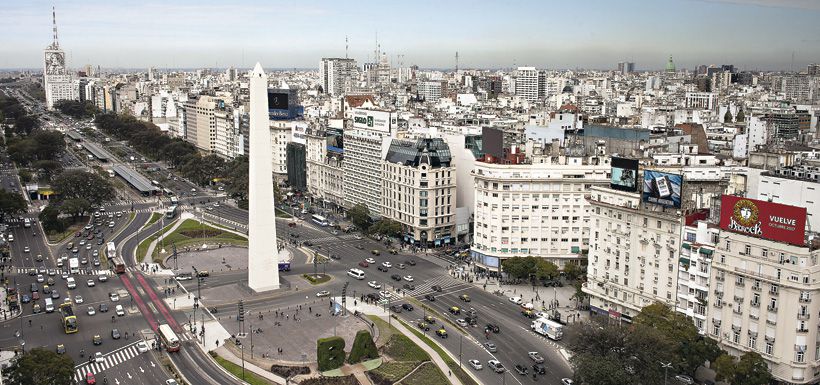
[[752, 34]]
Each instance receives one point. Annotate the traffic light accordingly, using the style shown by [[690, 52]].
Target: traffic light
[[241, 316]]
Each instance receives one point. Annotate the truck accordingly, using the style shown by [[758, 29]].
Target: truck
[[550, 329], [74, 265]]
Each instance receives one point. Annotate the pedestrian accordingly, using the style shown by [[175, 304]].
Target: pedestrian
[[310, 309]]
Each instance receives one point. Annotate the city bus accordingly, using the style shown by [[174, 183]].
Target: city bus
[[174, 200], [168, 338], [68, 318], [320, 220], [111, 251], [171, 212], [117, 264], [168, 192]]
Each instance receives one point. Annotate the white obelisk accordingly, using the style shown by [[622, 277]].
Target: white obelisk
[[263, 253]]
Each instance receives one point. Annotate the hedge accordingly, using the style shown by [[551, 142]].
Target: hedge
[[363, 348], [330, 353]]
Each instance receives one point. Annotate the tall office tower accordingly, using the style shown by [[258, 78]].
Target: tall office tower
[[626, 67], [670, 65], [431, 91], [57, 83], [263, 251], [337, 75], [526, 83], [364, 147], [813, 69]]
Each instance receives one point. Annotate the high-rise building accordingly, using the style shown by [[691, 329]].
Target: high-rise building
[[813, 69], [701, 100], [200, 122], [337, 75], [57, 82], [419, 191], [626, 67], [432, 91], [670, 65], [365, 144], [325, 170], [527, 83]]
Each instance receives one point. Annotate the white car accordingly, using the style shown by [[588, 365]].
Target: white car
[[111, 224], [26, 249], [90, 283], [323, 293], [120, 311], [475, 364], [516, 300], [78, 299], [496, 366], [385, 294], [357, 236], [98, 357], [370, 260], [566, 381], [102, 278], [114, 297], [387, 264], [40, 278], [409, 278], [374, 284], [142, 347], [461, 322], [171, 381], [91, 310]]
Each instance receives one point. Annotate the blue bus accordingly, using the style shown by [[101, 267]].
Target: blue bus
[[284, 266]]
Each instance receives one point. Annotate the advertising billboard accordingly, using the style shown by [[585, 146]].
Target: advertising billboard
[[662, 188], [774, 221], [624, 175], [298, 133], [277, 100], [373, 120]]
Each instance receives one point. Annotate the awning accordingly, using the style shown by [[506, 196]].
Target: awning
[[575, 249], [685, 261], [687, 246], [706, 251]]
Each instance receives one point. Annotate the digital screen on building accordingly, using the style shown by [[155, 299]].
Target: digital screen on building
[[774, 221], [277, 101], [662, 188], [335, 140], [624, 174]]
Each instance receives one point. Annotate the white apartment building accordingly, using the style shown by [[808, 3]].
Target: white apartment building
[[200, 122], [765, 299], [633, 254], [431, 91], [694, 271], [365, 145], [337, 75], [783, 187], [536, 210], [229, 141], [419, 191], [324, 170], [281, 133], [527, 84], [701, 100]]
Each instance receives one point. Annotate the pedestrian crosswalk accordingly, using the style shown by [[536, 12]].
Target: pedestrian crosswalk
[[108, 361], [91, 272], [444, 281]]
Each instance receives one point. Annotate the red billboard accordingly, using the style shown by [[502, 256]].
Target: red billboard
[[775, 221]]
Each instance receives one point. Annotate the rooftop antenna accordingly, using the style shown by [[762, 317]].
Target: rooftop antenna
[[346, 47], [54, 26], [791, 66], [456, 61]]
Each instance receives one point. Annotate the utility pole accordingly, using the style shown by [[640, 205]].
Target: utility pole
[[174, 248], [240, 318]]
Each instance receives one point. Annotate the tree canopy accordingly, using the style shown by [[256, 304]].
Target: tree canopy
[[387, 227], [42, 367], [360, 216], [524, 267], [11, 204], [77, 184], [76, 109]]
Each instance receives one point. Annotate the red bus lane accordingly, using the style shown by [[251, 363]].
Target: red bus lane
[[160, 305], [140, 304]]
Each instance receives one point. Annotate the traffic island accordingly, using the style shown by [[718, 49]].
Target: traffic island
[[316, 279]]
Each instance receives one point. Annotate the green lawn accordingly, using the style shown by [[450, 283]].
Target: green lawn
[[394, 371], [427, 374], [385, 331], [192, 232], [459, 372], [236, 370], [316, 281], [69, 231], [154, 218], [401, 348], [282, 214], [142, 248]]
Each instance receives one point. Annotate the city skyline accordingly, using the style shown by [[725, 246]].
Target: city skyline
[[151, 34]]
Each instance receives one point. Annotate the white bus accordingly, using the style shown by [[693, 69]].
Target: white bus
[[111, 251], [171, 211], [174, 200], [168, 338], [320, 220]]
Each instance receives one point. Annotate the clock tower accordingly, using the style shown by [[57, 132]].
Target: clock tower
[[57, 82]]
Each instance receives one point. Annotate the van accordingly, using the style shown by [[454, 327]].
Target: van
[[356, 273], [49, 305], [71, 283], [11, 238]]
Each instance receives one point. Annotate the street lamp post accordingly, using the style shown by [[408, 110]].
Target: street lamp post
[[460, 341], [665, 367]]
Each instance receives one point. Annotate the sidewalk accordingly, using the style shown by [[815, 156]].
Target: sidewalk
[[229, 356]]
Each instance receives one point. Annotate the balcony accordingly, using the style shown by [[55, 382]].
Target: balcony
[[771, 322], [720, 278], [805, 300], [718, 304], [736, 309], [772, 308], [756, 287], [755, 303], [799, 330], [802, 316]]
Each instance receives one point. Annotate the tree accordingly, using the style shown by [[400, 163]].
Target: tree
[[360, 216], [724, 367], [75, 206], [76, 109], [84, 185], [516, 267], [48, 144], [50, 219], [42, 367], [727, 117], [544, 269], [752, 370], [11, 204], [573, 271], [386, 227], [46, 169], [741, 117]]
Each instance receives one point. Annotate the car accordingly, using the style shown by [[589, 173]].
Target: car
[[75, 250], [395, 308], [567, 381], [535, 356], [83, 261], [412, 262], [461, 322], [97, 340], [684, 379], [50, 281], [455, 310], [88, 247], [521, 369], [382, 268], [115, 334], [90, 379], [40, 278], [496, 366], [441, 333], [78, 299], [490, 347], [374, 285], [90, 283], [103, 308], [26, 249], [111, 224], [436, 288], [100, 241], [364, 264], [423, 325], [55, 294], [35, 296], [95, 253], [52, 272], [60, 262], [64, 275], [142, 347], [475, 364], [493, 328], [96, 262], [373, 297], [407, 306], [409, 286], [357, 236], [114, 297], [184, 277], [171, 381], [119, 310], [402, 266], [370, 260], [396, 277], [464, 297], [91, 310], [385, 294], [387, 264], [409, 278], [323, 293], [102, 278], [516, 300], [39, 258], [82, 242], [26, 298], [539, 368], [46, 289], [336, 257], [430, 297], [60, 349], [98, 357]]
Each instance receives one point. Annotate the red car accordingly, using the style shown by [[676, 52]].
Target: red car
[[364, 264], [89, 379]]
